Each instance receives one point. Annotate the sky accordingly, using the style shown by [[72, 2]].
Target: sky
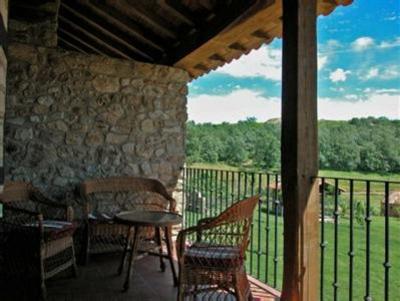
[[358, 71]]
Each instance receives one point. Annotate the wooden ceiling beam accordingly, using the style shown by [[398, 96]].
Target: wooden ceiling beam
[[156, 23], [217, 57], [176, 9], [199, 20], [225, 15], [66, 35], [70, 45], [237, 46], [127, 24], [69, 12], [261, 34], [64, 23]]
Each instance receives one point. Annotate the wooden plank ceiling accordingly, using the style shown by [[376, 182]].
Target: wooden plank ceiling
[[196, 35]]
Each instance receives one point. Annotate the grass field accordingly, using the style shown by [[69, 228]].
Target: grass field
[[263, 266], [323, 173], [377, 187]]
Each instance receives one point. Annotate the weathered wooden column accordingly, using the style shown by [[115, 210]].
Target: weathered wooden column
[[300, 151], [3, 73]]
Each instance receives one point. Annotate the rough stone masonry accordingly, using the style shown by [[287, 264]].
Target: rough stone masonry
[[71, 117]]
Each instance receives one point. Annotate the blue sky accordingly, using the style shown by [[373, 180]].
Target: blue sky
[[358, 76]]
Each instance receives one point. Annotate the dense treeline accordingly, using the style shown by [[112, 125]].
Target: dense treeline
[[366, 144]]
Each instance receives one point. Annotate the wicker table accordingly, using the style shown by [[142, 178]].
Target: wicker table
[[138, 220]]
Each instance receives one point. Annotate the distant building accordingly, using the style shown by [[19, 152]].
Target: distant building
[[394, 204], [329, 186]]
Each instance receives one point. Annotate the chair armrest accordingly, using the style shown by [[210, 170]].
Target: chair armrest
[[172, 205], [24, 220], [17, 209], [40, 197], [202, 224], [40, 227], [86, 212], [61, 210], [181, 240], [70, 214], [204, 221]]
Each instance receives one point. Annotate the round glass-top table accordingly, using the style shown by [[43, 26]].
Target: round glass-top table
[[138, 220], [148, 218]]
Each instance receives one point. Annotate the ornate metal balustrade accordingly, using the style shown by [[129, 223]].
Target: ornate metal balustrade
[[359, 219]]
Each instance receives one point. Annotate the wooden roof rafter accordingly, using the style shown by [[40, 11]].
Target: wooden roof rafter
[[224, 17], [195, 35], [136, 31], [74, 13], [85, 34], [76, 42], [157, 24]]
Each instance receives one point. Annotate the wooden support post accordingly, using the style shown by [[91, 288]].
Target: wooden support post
[[300, 151]]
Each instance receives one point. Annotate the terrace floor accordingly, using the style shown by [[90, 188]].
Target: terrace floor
[[99, 281]]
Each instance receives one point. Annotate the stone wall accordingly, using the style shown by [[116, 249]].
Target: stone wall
[[3, 73], [71, 116], [34, 22]]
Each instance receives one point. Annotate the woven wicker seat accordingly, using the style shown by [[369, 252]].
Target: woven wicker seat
[[108, 196], [36, 238], [212, 254]]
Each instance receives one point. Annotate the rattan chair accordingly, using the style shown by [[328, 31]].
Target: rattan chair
[[36, 240], [211, 255], [106, 197]]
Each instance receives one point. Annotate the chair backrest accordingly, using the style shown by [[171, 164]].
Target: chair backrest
[[18, 199], [232, 226], [241, 210], [16, 192], [92, 187]]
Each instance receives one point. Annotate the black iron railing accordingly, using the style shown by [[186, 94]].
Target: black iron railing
[[359, 223]]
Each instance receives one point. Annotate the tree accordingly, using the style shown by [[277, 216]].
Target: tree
[[267, 152], [366, 144]]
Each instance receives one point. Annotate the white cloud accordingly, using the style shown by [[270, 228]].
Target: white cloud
[[332, 44], [337, 89], [387, 91], [238, 105], [339, 75], [376, 104], [371, 73], [264, 62], [391, 72], [322, 60], [381, 73], [351, 97], [362, 43], [244, 103], [390, 44]]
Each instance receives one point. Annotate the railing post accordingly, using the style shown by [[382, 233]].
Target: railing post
[[300, 151]]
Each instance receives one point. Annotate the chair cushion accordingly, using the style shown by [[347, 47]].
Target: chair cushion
[[102, 217], [57, 229], [209, 255]]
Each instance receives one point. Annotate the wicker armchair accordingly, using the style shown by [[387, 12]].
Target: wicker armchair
[[36, 240], [211, 255], [108, 196]]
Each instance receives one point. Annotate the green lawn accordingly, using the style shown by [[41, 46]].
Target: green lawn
[[376, 259], [214, 188], [377, 187], [322, 173], [263, 266]]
